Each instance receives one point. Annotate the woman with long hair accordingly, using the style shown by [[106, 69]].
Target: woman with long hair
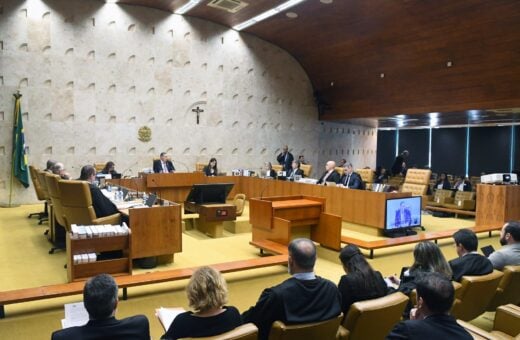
[[361, 282], [211, 168]]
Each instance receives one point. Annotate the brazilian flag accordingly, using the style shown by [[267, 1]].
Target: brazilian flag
[[20, 169]]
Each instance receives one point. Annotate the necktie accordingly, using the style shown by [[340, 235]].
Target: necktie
[[347, 180]]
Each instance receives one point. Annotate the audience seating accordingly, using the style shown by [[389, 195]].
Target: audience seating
[[247, 331], [58, 216], [475, 295], [77, 206], [307, 169], [439, 197], [367, 175], [508, 290], [45, 192], [42, 216], [373, 319], [314, 330], [505, 326], [416, 182], [99, 166], [463, 200]]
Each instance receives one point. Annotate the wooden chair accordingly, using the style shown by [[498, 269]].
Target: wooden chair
[[416, 181], [508, 290], [76, 202], [99, 166], [463, 200], [340, 170], [307, 169], [505, 326], [199, 166], [475, 295], [58, 216], [239, 201], [314, 330], [277, 167], [373, 319], [247, 331], [367, 175], [42, 216]]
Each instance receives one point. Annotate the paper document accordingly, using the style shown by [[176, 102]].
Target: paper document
[[75, 315], [166, 315]]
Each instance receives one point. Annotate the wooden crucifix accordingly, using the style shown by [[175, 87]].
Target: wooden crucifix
[[198, 110]]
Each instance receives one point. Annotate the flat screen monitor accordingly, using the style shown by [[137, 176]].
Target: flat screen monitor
[[209, 193], [402, 213]]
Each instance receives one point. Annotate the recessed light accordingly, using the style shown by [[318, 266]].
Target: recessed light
[[291, 15], [381, 75], [326, 2], [449, 63]]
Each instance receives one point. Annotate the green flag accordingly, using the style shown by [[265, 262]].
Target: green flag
[[19, 169]]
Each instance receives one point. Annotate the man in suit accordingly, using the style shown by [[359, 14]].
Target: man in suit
[[431, 319], [285, 158], [102, 205], [330, 174], [509, 254], [303, 298], [351, 179], [403, 217], [163, 165], [100, 300], [399, 166], [469, 261], [295, 171]]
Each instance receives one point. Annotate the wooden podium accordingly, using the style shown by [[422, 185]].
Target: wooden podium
[[211, 216], [497, 204], [272, 218]]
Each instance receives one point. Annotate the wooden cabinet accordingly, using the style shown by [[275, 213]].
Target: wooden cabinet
[[115, 267]]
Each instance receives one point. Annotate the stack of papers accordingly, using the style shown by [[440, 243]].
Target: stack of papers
[[167, 315], [75, 315]]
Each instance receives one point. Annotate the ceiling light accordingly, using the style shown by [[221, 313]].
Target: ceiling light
[[267, 14], [187, 7], [291, 15], [326, 2], [110, 1]]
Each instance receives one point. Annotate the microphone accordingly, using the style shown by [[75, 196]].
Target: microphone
[[129, 169], [184, 165]]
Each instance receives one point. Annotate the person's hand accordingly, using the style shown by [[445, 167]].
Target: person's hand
[[413, 314], [394, 279]]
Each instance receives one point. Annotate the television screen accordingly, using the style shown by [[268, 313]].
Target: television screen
[[403, 212], [209, 193]]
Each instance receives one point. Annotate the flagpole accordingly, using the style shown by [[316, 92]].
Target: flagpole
[[17, 97]]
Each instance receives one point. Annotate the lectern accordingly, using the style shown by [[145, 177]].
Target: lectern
[[273, 218]]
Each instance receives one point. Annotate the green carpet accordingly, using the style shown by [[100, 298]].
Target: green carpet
[[24, 262]]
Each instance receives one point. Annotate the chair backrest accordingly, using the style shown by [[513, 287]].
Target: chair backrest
[[54, 193], [76, 202], [475, 295], [374, 319], [507, 320], [340, 170], [415, 189], [43, 183], [440, 194], [367, 175], [99, 166], [277, 167], [199, 166], [307, 169], [418, 176], [314, 330], [508, 290], [246, 331], [36, 183], [464, 195], [239, 201]]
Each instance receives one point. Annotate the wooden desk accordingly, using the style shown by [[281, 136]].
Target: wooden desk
[[497, 204], [211, 217], [273, 218], [173, 187]]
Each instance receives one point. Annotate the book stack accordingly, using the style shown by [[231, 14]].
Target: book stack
[[93, 231]]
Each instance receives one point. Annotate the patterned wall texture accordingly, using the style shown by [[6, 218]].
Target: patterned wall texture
[[92, 74]]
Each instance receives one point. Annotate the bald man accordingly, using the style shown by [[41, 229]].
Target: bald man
[[330, 174]]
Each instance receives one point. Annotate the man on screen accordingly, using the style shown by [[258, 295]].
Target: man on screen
[[403, 217]]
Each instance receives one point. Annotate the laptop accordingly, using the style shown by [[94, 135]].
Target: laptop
[[150, 201], [487, 250]]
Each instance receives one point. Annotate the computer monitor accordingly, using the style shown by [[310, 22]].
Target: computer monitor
[[209, 193], [401, 214]]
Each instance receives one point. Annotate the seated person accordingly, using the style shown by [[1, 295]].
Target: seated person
[[361, 282], [462, 184], [342, 162], [330, 174], [509, 254], [59, 169], [110, 168], [381, 176], [50, 164], [102, 205], [351, 179], [295, 171], [211, 168], [163, 164], [431, 318], [301, 159], [303, 298], [443, 182], [207, 295], [100, 300], [269, 172], [469, 261]]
